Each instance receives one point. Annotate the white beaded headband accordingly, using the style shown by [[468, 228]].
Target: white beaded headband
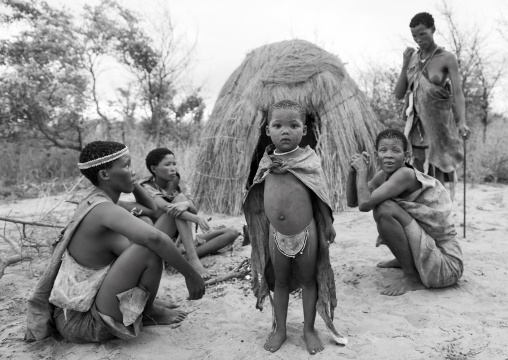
[[103, 160]]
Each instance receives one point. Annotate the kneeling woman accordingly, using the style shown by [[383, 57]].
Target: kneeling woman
[[176, 211], [412, 212]]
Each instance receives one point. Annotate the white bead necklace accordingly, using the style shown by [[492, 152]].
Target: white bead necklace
[[285, 153]]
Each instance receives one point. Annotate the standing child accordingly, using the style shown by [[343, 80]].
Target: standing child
[[291, 226]]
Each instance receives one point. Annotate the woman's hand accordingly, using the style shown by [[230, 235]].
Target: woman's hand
[[360, 162], [406, 56], [464, 131], [203, 224]]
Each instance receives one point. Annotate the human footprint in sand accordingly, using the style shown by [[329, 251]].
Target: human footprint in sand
[[176, 212], [291, 226], [105, 271], [412, 212]]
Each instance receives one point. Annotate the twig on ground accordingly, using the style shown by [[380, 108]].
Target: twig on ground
[[226, 277], [11, 260], [34, 223], [10, 242]]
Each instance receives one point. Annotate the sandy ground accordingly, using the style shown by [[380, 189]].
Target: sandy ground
[[466, 321]]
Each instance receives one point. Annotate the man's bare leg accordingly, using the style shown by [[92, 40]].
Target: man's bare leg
[[136, 266], [391, 220], [307, 270]]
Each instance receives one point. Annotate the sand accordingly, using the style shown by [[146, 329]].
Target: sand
[[466, 321]]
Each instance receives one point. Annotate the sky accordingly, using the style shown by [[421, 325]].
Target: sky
[[358, 31]]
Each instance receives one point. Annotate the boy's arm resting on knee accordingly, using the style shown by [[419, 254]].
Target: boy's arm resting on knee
[[399, 182], [118, 220], [144, 204]]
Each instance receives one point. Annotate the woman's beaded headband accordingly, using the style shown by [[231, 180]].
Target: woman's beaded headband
[[103, 160]]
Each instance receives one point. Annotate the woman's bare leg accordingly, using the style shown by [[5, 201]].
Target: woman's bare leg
[[391, 220], [216, 240], [137, 265]]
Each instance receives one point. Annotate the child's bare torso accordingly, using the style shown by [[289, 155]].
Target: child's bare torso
[[287, 203]]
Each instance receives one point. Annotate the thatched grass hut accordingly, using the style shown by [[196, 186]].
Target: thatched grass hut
[[340, 121]]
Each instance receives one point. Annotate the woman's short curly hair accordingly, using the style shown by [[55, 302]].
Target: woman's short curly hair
[[155, 156], [423, 18], [95, 150], [392, 134]]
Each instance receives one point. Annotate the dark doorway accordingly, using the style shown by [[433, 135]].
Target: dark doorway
[[312, 121]]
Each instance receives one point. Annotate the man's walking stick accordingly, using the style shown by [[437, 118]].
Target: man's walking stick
[[464, 139]]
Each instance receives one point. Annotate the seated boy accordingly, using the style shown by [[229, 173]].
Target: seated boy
[[176, 212], [412, 213], [291, 226], [105, 271]]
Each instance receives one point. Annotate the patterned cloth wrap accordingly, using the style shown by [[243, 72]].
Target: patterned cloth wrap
[[430, 123], [307, 168], [432, 235]]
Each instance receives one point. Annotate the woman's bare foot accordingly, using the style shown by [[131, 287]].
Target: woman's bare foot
[[311, 338], [394, 263], [408, 283], [166, 304], [275, 340], [196, 264], [158, 315]]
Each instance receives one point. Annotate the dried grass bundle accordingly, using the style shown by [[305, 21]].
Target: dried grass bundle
[[344, 122]]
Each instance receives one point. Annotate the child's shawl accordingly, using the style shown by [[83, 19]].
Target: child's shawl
[[430, 206], [39, 310], [307, 168]]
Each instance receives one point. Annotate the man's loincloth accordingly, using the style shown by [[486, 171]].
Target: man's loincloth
[[291, 245]]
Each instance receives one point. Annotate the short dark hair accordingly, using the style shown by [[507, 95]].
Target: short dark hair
[[392, 134], [155, 156], [423, 18], [286, 104], [95, 150]]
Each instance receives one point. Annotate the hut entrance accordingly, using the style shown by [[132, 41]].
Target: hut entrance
[[311, 120]]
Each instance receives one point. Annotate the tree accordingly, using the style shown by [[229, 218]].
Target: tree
[[43, 83], [480, 69]]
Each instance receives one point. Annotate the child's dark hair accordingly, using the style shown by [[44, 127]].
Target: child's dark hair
[[155, 156], [392, 134], [286, 104], [96, 150], [423, 18]]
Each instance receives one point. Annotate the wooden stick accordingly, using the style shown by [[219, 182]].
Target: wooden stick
[[35, 223], [226, 277], [11, 260], [464, 187]]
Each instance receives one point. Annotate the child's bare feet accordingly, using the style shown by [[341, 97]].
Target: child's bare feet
[[275, 340], [196, 264], [158, 315], [394, 263], [311, 338], [408, 283]]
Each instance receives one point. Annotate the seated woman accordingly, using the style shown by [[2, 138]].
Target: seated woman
[[412, 212], [176, 211]]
